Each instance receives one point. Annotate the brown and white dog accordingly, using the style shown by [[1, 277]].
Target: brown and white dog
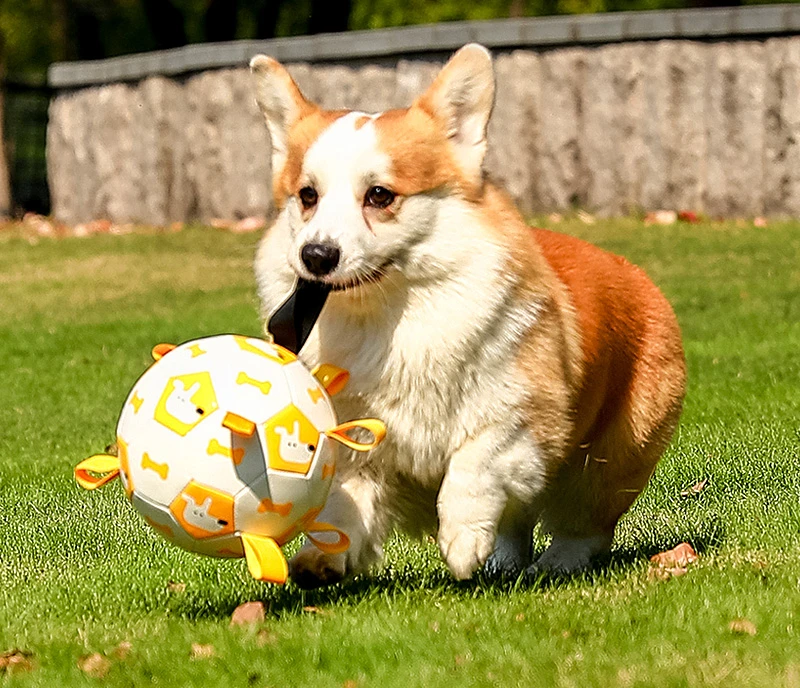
[[524, 376]]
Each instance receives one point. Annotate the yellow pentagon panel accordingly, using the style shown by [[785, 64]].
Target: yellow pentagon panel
[[203, 511], [291, 441], [124, 467], [186, 401], [309, 396]]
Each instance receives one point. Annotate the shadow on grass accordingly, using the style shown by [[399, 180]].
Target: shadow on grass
[[393, 584]]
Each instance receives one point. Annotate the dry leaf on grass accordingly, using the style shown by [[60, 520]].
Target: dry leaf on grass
[[95, 665], [122, 650], [248, 614], [200, 651], [661, 217], [695, 489], [15, 660], [742, 627], [760, 221], [586, 218], [672, 563], [266, 637], [176, 587]]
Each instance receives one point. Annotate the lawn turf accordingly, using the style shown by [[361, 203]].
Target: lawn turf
[[81, 572]]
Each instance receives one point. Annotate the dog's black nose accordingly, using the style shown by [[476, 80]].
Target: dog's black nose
[[320, 259]]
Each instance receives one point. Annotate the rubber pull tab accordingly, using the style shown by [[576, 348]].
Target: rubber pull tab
[[96, 471], [241, 426], [292, 323], [341, 545], [265, 561], [161, 350], [375, 426], [332, 378]]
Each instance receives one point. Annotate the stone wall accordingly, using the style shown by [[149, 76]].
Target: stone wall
[[682, 124]]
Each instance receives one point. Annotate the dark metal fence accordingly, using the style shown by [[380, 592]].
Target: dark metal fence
[[25, 128]]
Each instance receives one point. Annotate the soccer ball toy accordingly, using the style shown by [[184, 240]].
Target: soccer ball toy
[[226, 448]]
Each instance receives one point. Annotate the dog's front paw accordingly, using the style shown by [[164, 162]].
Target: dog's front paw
[[310, 568], [464, 548]]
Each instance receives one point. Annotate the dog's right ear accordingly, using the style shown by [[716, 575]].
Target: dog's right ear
[[281, 103]]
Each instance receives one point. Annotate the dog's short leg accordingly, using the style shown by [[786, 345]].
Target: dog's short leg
[[513, 545], [474, 493], [351, 507], [570, 554]]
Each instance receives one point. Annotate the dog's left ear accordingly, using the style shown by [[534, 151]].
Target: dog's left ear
[[461, 99], [281, 103]]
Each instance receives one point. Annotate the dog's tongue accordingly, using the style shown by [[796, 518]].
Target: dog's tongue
[[291, 324]]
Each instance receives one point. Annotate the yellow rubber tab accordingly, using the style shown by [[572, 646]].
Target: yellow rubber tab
[[341, 544], [96, 471], [333, 379], [375, 426], [241, 426], [265, 561], [161, 350]]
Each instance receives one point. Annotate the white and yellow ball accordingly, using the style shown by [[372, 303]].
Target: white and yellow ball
[[226, 447]]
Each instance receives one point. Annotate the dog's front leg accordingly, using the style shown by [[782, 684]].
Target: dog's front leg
[[471, 501], [352, 507]]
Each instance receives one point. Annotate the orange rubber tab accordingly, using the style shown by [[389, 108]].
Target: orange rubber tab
[[96, 471], [333, 379], [241, 426], [375, 426], [265, 561], [161, 350], [341, 544]]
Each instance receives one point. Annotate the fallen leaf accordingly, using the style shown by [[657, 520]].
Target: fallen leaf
[[681, 555], [760, 221], [15, 660], [95, 665], [248, 614], [176, 226], [200, 651], [672, 563], [249, 224], [176, 587], [695, 489], [688, 216], [434, 626], [350, 683], [586, 218], [661, 217], [122, 650], [555, 218], [742, 627], [519, 617], [220, 223]]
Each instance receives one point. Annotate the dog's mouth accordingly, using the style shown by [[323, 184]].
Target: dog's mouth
[[361, 279]]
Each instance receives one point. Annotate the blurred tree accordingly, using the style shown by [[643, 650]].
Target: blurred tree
[[5, 182], [328, 16]]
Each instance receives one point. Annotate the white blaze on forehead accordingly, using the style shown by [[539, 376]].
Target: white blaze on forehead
[[347, 154]]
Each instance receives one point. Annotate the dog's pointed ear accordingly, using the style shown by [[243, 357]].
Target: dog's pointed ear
[[280, 101], [461, 99]]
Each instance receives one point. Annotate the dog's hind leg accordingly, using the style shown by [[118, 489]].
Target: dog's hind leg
[[513, 545]]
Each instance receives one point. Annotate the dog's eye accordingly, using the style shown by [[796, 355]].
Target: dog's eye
[[379, 197], [308, 197]]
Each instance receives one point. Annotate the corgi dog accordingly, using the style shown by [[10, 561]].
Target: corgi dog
[[525, 377]]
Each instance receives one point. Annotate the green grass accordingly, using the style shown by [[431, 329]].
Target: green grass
[[80, 572]]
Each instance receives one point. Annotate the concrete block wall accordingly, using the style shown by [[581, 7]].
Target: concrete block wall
[[613, 113]]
